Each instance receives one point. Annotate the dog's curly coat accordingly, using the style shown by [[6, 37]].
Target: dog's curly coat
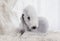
[[31, 22]]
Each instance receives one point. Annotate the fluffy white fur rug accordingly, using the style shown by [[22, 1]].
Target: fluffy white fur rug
[[8, 18], [30, 36]]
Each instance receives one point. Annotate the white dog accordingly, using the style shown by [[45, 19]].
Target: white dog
[[31, 22]]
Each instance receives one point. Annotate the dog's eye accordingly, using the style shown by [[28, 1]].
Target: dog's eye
[[28, 18]]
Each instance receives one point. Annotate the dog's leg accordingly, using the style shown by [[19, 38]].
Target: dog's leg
[[22, 31]]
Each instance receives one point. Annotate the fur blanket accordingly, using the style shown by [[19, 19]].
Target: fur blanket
[[28, 36]]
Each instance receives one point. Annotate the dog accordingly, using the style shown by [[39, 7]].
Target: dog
[[31, 22]]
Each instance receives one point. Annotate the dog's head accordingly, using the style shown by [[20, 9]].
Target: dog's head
[[30, 18]]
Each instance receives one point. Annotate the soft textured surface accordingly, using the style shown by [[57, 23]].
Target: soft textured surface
[[29, 36], [8, 26]]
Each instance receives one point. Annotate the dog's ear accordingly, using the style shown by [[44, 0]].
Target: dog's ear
[[22, 24]]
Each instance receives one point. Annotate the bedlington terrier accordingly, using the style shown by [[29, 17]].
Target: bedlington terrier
[[31, 22]]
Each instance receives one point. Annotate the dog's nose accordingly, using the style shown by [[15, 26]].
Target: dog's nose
[[34, 27]]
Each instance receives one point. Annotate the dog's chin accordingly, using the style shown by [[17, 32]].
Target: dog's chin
[[33, 30], [29, 29]]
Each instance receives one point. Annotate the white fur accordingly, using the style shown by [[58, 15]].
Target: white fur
[[8, 19], [7, 25], [39, 22]]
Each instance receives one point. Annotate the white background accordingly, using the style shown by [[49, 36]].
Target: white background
[[50, 9]]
